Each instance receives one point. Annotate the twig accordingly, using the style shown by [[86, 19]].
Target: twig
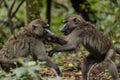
[[62, 5], [5, 4], [9, 16], [1, 2], [14, 13], [3, 34]]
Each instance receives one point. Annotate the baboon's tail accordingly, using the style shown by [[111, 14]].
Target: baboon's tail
[[118, 50]]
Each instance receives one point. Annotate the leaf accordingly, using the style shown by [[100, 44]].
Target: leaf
[[114, 1], [20, 72], [31, 63], [20, 60], [70, 65], [34, 68], [33, 74]]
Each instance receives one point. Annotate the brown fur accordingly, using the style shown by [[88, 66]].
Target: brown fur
[[28, 41], [78, 31]]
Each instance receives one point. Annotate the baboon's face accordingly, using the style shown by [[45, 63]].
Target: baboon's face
[[70, 23], [40, 28]]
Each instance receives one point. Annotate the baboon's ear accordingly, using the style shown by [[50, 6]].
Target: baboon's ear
[[33, 27], [76, 20]]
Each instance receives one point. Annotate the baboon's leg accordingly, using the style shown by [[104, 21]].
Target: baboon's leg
[[111, 65], [88, 64], [51, 65]]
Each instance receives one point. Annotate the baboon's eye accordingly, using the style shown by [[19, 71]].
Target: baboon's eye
[[76, 20], [33, 27]]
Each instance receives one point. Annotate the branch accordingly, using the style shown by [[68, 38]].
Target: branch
[[14, 13], [9, 16], [62, 5], [5, 4], [1, 3], [48, 10], [3, 34]]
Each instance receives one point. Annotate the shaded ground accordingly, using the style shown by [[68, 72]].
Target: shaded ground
[[98, 73], [70, 66]]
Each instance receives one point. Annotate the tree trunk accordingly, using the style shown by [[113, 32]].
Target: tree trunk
[[83, 11]]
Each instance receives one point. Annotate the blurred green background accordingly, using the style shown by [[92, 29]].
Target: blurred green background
[[103, 13]]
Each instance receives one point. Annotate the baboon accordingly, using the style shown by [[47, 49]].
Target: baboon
[[79, 31], [28, 42]]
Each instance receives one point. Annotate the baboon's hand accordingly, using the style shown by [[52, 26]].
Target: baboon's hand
[[51, 52]]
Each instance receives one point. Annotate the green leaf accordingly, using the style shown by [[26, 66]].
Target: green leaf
[[20, 71], [34, 68], [31, 63], [20, 60]]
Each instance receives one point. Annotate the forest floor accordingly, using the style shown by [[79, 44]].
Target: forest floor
[[98, 73], [70, 66]]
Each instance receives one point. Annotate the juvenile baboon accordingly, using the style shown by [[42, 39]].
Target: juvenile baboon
[[28, 41], [78, 31]]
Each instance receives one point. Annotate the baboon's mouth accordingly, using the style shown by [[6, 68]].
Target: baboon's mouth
[[48, 32], [66, 32]]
